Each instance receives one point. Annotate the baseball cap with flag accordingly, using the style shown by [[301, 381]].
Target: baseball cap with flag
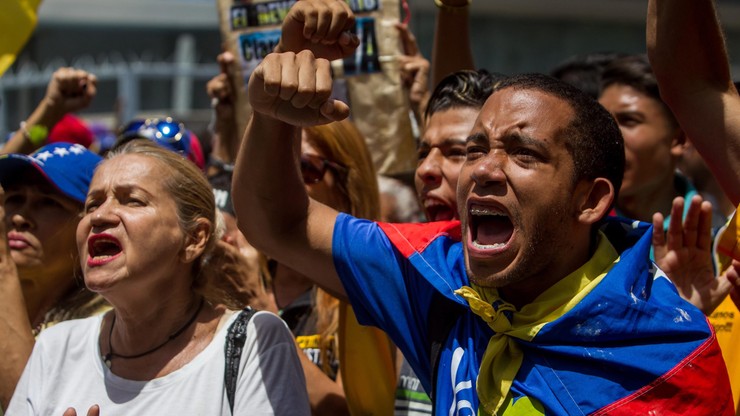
[[68, 167], [166, 132]]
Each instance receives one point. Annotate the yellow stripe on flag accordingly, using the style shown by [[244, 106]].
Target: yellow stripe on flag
[[17, 20], [366, 361]]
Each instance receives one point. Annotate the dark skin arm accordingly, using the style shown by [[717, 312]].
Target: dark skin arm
[[700, 94], [452, 51]]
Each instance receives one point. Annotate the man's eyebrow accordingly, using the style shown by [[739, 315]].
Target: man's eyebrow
[[476, 137], [447, 141], [525, 139], [511, 138]]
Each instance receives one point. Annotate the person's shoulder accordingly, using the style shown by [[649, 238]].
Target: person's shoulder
[[69, 332], [263, 329], [72, 326], [262, 320], [266, 319]]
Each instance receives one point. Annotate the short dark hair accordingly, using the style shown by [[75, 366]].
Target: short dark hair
[[584, 71], [592, 138], [635, 71], [462, 89]]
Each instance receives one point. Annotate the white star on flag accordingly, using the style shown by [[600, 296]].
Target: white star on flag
[[41, 157], [61, 151], [77, 149]]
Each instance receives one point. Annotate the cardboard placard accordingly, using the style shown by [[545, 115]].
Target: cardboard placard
[[369, 80]]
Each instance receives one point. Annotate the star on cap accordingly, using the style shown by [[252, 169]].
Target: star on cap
[[77, 149], [61, 151], [43, 156]]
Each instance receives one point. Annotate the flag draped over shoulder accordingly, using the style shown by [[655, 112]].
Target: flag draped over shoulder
[[629, 346], [17, 20]]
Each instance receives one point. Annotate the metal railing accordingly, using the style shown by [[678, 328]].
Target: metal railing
[[181, 73]]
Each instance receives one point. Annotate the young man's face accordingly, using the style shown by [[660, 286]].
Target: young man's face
[[516, 193], [651, 142], [441, 154]]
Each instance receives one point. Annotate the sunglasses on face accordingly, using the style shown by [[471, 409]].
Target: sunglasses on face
[[166, 132], [313, 168]]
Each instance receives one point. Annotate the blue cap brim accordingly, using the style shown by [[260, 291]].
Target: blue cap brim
[[68, 168]]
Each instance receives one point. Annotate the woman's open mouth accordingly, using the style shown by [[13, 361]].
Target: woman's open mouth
[[102, 249]]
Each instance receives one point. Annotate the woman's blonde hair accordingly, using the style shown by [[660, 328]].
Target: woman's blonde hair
[[341, 142]]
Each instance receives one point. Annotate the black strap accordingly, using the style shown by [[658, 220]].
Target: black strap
[[235, 339], [442, 315]]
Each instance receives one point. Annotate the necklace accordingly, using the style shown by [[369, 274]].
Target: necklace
[[109, 356]]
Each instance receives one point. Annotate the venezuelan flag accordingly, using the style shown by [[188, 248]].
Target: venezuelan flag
[[630, 346]]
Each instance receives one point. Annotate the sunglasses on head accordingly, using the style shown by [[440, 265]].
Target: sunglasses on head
[[313, 168], [164, 131]]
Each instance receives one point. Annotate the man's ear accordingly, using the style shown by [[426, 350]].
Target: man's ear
[[197, 241], [679, 143], [594, 199]]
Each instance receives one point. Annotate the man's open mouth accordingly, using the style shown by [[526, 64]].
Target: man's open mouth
[[491, 228], [438, 211]]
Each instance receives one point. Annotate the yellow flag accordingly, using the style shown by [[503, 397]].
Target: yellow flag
[[366, 361], [17, 21]]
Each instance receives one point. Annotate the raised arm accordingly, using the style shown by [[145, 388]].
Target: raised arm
[[687, 50], [69, 90], [288, 91], [414, 73], [223, 100], [451, 51]]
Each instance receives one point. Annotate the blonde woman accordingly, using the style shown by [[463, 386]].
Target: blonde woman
[[145, 238]]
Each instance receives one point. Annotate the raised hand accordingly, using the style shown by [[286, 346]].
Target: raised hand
[[70, 90], [414, 71], [240, 275], [684, 253], [733, 275], [221, 90], [295, 89], [321, 26]]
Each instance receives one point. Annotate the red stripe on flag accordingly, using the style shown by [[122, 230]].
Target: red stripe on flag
[[411, 238], [698, 385]]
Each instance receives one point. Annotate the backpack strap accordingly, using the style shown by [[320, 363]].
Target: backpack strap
[[235, 340]]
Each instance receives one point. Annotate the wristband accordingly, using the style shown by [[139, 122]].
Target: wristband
[[37, 134], [452, 9]]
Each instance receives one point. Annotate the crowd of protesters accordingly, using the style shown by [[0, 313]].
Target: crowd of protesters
[[568, 242]]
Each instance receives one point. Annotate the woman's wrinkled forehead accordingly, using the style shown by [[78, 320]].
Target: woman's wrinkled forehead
[[132, 170]]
